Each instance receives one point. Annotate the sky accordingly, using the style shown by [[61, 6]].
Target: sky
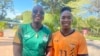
[[20, 6], [24, 5]]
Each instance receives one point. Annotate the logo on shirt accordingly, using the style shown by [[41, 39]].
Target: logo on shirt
[[27, 36], [72, 49], [56, 40], [45, 38], [72, 45]]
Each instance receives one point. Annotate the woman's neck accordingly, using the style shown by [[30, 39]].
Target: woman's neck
[[36, 27], [66, 32]]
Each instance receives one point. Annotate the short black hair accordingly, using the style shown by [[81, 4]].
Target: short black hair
[[65, 8]]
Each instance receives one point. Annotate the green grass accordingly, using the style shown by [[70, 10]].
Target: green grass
[[92, 38]]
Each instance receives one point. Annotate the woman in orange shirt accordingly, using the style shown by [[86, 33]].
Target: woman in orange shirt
[[67, 41]]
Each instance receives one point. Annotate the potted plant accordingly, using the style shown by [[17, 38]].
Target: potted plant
[[1, 33], [2, 24]]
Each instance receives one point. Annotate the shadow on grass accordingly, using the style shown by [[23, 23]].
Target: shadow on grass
[[93, 45]]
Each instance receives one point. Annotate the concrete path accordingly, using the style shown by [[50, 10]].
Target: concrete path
[[94, 48]]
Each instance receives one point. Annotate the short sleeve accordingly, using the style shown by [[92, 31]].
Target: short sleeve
[[82, 47], [50, 45], [50, 42], [18, 36]]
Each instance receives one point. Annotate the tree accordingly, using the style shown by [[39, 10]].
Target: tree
[[52, 7], [19, 17], [79, 7], [48, 20], [4, 6], [95, 7], [2, 25], [26, 16], [94, 25]]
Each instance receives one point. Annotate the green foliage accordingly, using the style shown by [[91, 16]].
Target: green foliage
[[26, 17], [52, 15], [95, 5], [78, 23], [90, 23], [51, 22], [94, 26], [52, 7], [78, 7], [93, 38], [48, 18], [4, 6], [2, 25], [19, 17]]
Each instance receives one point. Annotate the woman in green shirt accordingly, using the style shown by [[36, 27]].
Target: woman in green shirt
[[32, 39]]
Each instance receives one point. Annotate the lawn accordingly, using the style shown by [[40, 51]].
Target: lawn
[[92, 38]]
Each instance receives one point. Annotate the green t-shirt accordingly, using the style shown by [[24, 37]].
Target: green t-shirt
[[33, 43]]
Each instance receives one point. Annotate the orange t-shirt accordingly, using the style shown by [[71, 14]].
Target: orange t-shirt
[[70, 45]]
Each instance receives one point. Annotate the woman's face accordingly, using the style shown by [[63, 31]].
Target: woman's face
[[66, 19], [38, 15]]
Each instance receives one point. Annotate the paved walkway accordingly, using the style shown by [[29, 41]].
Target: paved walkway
[[6, 47], [94, 48]]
